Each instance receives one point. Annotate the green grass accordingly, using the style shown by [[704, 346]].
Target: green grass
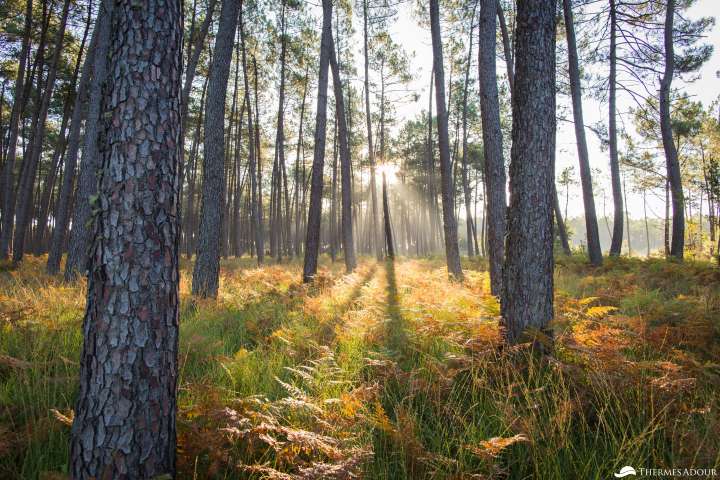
[[395, 373]]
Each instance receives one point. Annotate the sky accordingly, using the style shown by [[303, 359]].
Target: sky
[[414, 38]]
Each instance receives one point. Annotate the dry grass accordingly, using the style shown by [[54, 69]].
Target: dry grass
[[394, 372]]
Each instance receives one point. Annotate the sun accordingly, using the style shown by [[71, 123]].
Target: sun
[[391, 172]]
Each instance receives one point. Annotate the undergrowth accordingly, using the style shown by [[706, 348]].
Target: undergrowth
[[393, 372]]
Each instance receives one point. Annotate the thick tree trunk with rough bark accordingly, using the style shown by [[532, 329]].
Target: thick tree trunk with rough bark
[[345, 167], [312, 238], [452, 251], [80, 235], [677, 245], [206, 274], [124, 423], [492, 144], [527, 299], [591, 226]]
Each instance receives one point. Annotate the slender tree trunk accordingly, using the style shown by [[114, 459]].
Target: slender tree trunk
[[616, 244], [647, 228], [298, 184], [19, 98], [562, 231], [252, 157], [627, 217], [124, 423], [206, 274], [345, 166], [677, 246], [452, 253], [312, 239], [466, 186], [27, 181], [527, 299], [81, 234], [492, 144], [591, 226], [73, 141], [371, 150]]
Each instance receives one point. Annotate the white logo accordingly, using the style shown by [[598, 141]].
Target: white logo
[[625, 471]]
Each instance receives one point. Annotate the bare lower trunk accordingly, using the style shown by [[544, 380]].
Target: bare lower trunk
[[591, 226], [677, 246], [492, 144], [206, 274], [312, 238], [345, 166], [452, 253], [616, 244], [527, 300]]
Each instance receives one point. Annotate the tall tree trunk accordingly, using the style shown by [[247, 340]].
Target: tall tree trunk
[[206, 274], [312, 239], [81, 235], [492, 144], [19, 98], [677, 246], [71, 143], [616, 244], [591, 226], [527, 299], [27, 180], [371, 150], [465, 184], [345, 166], [252, 155], [452, 253], [124, 423], [298, 181]]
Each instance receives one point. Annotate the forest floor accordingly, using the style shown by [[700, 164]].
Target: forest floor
[[393, 372]]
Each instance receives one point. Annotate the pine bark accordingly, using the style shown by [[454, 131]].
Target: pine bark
[[527, 299], [206, 274], [492, 144], [591, 225], [124, 423], [312, 238]]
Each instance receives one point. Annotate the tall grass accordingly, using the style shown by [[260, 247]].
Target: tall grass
[[395, 373]]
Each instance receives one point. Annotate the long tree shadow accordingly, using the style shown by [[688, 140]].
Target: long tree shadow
[[395, 327]]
